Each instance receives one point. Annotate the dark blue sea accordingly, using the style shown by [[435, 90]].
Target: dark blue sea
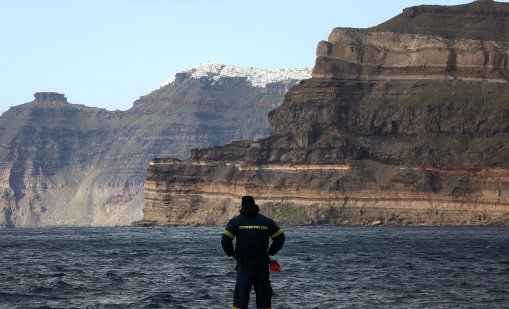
[[322, 267]]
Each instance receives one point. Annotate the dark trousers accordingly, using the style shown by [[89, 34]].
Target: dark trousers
[[257, 277]]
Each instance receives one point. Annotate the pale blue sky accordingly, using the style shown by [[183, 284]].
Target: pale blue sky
[[108, 53]]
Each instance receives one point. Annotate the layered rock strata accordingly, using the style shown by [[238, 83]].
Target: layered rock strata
[[356, 193], [69, 164], [394, 127], [354, 55]]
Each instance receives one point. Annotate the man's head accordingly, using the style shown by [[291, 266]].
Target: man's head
[[248, 207]]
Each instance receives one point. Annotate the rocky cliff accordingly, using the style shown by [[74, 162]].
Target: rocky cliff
[[403, 123], [69, 164]]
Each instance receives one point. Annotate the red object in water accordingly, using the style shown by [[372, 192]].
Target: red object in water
[[274, 266]]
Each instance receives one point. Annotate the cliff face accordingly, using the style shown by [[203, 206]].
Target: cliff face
[[394, 127], [350, 54], [478, 20], [68, 164]]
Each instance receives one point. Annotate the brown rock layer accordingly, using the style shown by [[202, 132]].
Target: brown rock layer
[[205, 192], [350, 54]]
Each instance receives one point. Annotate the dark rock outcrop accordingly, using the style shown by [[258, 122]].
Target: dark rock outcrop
[[50, 97], [403, 123], [478, 20]]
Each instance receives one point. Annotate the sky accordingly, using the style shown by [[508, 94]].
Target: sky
[[108, 53]]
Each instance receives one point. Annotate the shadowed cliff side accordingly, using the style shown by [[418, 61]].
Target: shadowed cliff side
[[393, 128]]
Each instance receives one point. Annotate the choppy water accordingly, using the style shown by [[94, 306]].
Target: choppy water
[[322, 268]]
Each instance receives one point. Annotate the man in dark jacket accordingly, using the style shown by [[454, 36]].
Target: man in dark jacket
[[252, 252]]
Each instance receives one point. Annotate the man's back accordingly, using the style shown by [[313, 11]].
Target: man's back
[[253, 233]]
